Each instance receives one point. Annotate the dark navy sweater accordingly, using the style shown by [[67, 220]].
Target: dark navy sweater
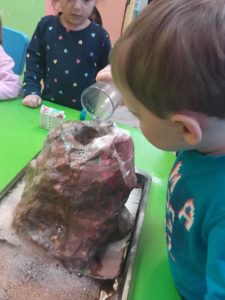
[[66, 61]]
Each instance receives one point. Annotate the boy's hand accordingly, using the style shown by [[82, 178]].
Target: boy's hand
[[105, 74], [32, 101]]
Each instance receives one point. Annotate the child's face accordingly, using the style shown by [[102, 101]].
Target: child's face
[[162, 133], [76, 12]]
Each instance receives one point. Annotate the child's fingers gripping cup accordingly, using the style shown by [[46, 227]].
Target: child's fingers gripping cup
[[100, 100]]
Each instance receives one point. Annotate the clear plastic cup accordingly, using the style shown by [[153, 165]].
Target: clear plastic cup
[[100, 100]]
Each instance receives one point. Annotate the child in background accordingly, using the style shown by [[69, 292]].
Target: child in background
[[170, 67], [66, 52], [9, 82]]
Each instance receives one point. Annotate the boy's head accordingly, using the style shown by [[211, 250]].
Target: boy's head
[[75, 13], [171, 59]]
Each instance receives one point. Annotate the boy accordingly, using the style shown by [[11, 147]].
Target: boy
[[170, 67]]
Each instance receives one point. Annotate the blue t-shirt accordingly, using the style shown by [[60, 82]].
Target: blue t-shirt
[[67, 61], [195, 225]]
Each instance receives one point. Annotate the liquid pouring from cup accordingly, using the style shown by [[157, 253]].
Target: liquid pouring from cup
[[100, 100]]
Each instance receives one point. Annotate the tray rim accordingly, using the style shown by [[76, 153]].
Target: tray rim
[[15, 179], [134, 244]]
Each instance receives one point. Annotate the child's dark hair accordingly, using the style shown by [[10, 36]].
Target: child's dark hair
[[172, 57], [96, 16], [0, 31]]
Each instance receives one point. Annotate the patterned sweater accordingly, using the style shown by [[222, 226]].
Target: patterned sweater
[[65, 61]]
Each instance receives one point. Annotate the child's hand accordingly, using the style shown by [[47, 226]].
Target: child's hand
[[32, 101], [104, 74]]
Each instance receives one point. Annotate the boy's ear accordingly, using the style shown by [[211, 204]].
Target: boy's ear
[[190, 128]]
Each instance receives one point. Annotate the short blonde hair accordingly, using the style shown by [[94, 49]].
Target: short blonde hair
[[172, 57]]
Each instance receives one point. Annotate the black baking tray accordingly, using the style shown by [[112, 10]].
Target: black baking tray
[[136, 201]]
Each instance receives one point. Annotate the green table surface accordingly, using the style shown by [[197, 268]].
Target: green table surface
[[21, 138]]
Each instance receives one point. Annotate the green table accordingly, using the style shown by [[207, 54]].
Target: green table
[[21, 138]]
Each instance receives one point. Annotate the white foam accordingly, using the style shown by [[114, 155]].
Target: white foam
[[7, 212]]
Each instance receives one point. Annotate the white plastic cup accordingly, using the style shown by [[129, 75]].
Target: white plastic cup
[[100, 100]]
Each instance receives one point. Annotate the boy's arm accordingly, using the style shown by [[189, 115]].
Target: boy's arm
[[215, 268], [35, 65], [9, 82]]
